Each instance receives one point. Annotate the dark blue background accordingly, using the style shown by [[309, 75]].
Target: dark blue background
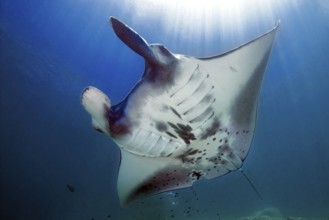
[[51, 50]]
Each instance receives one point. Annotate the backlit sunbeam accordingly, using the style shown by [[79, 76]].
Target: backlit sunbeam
[[187, 22]]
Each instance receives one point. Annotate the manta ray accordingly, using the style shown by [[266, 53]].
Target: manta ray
[[187, 118]]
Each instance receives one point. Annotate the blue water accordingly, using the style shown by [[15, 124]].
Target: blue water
[[51, 50]]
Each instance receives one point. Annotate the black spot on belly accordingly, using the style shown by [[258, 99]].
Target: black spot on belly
[[160, 126], [215, 160], [192, 152], [231, 155], [224, 149], [223, 162], [196, 174]]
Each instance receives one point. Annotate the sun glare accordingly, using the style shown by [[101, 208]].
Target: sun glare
[[195, 21], [192, 14]]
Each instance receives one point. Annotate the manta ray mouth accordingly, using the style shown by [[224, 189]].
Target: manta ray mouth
[[84, 96]]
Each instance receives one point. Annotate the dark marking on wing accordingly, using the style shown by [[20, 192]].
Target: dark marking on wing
[[244, 112], [211, 130], [215, 159], [183, 131], [184, 127], [161, 75], [192, 152], [118, 124], [175, 112], [196, 174], [161, 181], [224, 149], [233, 69], [202, 117], [185, 157], [207, 99], [170, 134], [172, 125], [161, 126]]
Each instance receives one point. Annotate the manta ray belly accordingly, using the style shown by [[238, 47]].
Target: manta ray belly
[[150, 144], [193, 99]]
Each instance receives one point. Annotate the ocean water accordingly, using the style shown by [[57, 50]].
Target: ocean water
[[53, 165]]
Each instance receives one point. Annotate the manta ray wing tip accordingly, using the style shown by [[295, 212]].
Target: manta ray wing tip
[[111, 19], [114, 21]]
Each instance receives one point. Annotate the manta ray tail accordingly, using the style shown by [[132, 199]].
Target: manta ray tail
[[251, 184]]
